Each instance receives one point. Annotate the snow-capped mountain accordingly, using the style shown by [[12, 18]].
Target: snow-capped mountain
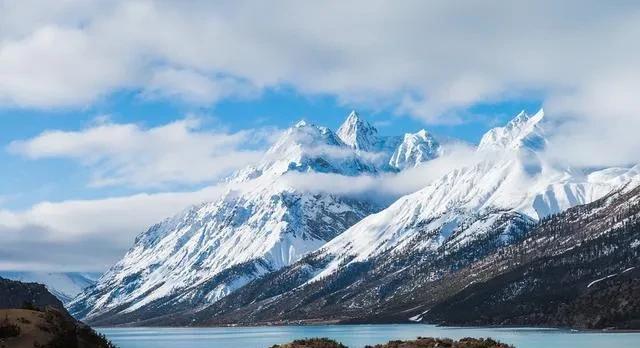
[[415, 149], [65, 286], [461, 217], [358, 133], [309, 148], [260, 225]]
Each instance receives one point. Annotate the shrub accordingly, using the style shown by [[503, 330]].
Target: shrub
[[8, 329]]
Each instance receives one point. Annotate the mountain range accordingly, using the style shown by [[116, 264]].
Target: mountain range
[[269, 252]]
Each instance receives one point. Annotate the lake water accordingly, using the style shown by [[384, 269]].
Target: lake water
[[356, 336]]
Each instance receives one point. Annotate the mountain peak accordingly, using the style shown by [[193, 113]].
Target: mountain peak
[[300, 124], [415, 149], [524, 118], [421, 133], [523, 131], [358, 133]]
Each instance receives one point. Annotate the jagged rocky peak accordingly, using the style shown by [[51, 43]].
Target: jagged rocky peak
[[415, 149], [523, 131], [358, 133]]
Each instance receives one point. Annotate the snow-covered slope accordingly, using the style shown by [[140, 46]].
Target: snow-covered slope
[[260, 225], [65, 286]]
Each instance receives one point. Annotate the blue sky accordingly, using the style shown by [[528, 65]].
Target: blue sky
[[114, 115]]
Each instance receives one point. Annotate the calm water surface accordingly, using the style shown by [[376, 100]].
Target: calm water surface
[[356, 336]]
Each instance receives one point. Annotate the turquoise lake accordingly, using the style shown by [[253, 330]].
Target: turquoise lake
[[356, 336]]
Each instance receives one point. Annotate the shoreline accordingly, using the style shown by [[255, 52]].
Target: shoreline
[[334, 323]]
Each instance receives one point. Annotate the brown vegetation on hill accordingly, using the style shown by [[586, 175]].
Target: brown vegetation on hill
[[421, 342]]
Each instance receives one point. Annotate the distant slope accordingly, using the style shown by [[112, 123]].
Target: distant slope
[[64, 285]]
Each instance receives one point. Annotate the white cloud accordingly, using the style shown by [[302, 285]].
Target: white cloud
[[59, 66], [194, 87], [85, 234], [387, 187], [127, 154], [600, 123]]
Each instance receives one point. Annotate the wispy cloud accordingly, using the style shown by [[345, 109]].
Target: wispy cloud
[[179, 152], [387, 187], [196, 88]]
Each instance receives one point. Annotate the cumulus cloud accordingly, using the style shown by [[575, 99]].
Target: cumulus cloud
[[128, 154]]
